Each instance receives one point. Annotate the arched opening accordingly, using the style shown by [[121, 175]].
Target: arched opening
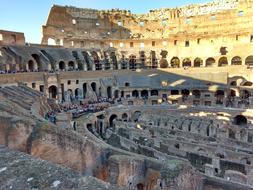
[[231, 134], [233, 83], [114, 60], [223, 61], [247, 83], [106, 60], [109, 92], [52, 91], [62, 65], [51, 41], [31, 66], [196, 93], [98, 65], [240, 120], [153, 59], [71, 66], [135, 94], [174, 92], [87, 60], [164, 63], [219, 94], [37, 59], [198, 62], [70, 94], [144, 94], [185, 93], [116, 94], [77, 93], [142, 59], [111, 119], [236, 60], [124, 117], [208, 131], [154, 92], [210, 62], [84, 90], [94, 86], [186, 62], [232, 93], [175, 62], [249, 60], [132, 62], [140, 186]]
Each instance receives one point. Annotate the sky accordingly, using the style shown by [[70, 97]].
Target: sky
[[28, 16]]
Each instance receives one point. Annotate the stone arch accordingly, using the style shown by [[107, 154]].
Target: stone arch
[[135, 94], [98, 65], [94, 86], [153, 58], [247, 83], [232, 93], [109, 92], [62, 65], [36, 57], [144, 94], [233, 83], [116, 94], [223, 61], [164, 63], [114, 60], [186, 62], [154, 93], [219, 94], [84, 90], [111, 119], [31, 65], [71, 65], [140, 186], [132, 62], [236, 60], [240, 120], [51, 41], [196, 93], [249, 60], [198, 62], [77, 93], [52, 92], [210, 62], [87, 60], [175, 62], [185, 92], [124, 117]]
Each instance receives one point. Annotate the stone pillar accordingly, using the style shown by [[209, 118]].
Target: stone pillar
[[85, 66], [209, 170], [93, 67], [59, 90], [103, 65], [75, 65]]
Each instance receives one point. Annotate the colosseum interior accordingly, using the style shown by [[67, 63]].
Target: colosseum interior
[[116, 100]]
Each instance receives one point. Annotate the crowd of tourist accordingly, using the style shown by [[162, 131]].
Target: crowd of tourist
[[81, 108], [51, 116]]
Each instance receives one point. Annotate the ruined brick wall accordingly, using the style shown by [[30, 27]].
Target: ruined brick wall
[[11, 38]]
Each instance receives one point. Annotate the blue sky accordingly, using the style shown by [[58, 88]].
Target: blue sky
[[29, 15]]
